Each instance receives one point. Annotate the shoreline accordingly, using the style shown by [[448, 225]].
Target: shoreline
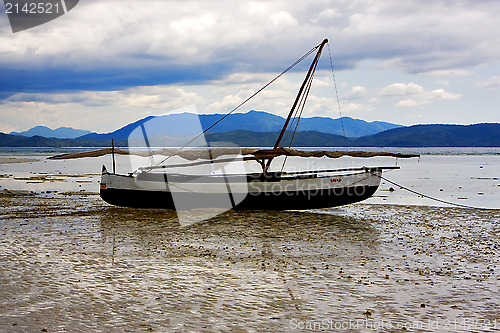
[[12, 160], [43, 151], [475, 183], [79, 195]]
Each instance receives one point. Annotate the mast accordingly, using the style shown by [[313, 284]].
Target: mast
[[113, 154], [301, 91]]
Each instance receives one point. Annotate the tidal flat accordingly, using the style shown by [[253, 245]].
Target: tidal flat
[[75, 263], [396, 262]]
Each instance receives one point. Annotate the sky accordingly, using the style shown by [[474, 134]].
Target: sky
[[107, 63]]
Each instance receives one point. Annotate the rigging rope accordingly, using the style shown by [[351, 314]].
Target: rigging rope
[[338, 99], [294, 125], [298, 112], [249, 98], [429, 197], [302, 104]]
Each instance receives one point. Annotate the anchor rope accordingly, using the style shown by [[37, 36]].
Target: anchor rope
[[429, 197]]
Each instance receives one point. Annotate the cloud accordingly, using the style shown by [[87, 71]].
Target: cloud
[[119, 61], [450, 73], [107, 110], [356, 92], [418, 38], [155, 97], [491, 83], [95, 110], [352, 107], [109, 45], [402, 89], [415, 94]]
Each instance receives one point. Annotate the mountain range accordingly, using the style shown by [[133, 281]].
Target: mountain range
[[435, 135], [257, 121], [58, 133], [260, 129]]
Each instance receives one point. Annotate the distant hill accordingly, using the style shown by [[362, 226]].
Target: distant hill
[[120, 134], [477, 135], [8, 140], [259, 121], [259, 139], [59, 133]]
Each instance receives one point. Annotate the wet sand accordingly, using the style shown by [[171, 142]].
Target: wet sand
[[11, 160], [74, 263]]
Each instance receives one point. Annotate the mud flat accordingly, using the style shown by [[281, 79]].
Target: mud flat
[[77, 264], [11, 160]]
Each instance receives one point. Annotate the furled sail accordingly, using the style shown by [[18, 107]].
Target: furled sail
[[188, 154], [213, 153]]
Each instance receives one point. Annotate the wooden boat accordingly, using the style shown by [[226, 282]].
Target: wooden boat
[[160, 186], [275, 190]]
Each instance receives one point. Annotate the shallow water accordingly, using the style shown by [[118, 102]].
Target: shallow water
[[470, 180], [81, 265]]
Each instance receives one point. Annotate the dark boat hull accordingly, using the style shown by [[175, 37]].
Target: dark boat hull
[[288, 201], [272, 193]]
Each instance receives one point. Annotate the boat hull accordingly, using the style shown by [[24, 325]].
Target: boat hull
[[303, 200], [276, 194]]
